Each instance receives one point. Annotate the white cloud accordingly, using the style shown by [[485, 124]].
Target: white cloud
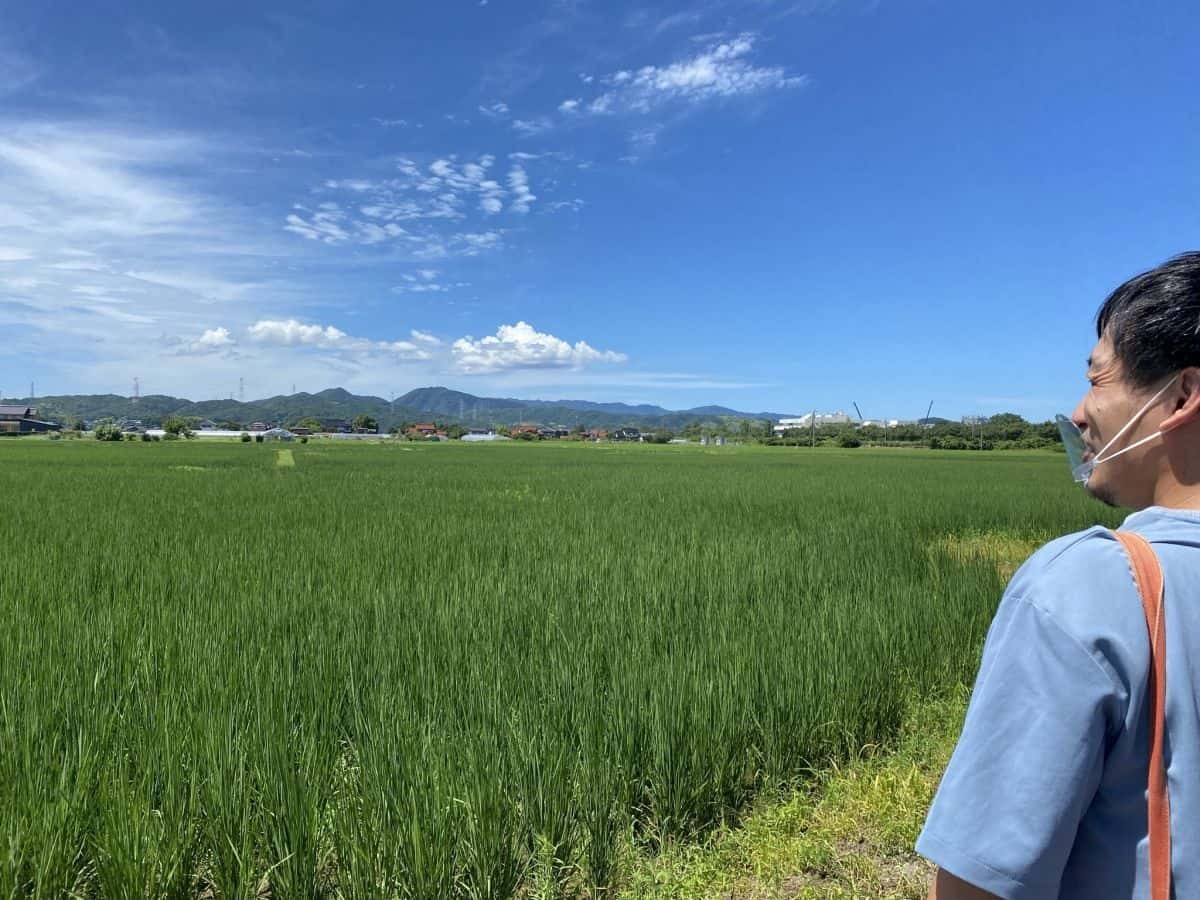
[[14, 254], [424, 281], [520, 346], [212, 341], [719, 72], [292, 333], [370, 211], [518, 184], [497, 110], [569, 106], [215, 337], [532, 127], [390, 123]]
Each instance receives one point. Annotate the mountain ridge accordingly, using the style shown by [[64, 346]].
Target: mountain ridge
[[441, 403]]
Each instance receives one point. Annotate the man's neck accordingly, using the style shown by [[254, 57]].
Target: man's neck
[[1174, 495]]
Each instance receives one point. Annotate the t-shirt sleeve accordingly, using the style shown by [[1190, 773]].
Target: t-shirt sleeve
[[1029, 759]]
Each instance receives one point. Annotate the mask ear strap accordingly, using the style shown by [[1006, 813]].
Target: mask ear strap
[[1100, 457], [1147, 439]]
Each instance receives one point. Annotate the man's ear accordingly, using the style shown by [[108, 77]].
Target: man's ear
[[1187, 400]]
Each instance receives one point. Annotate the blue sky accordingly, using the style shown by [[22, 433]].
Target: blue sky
[[769, 204]]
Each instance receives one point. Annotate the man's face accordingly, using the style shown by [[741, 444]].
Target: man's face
[[1110, 402]]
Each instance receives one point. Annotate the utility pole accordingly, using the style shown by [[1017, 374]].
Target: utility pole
[[241, 390], [137, 390], [814, 428]]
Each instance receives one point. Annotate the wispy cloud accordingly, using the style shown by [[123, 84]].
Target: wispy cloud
[[518, 184], [532, 127], [497, 110], [415, 208], [721, 71], [426, 281], [520, 346]]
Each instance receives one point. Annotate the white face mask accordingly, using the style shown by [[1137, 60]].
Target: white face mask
[[1073, 441]]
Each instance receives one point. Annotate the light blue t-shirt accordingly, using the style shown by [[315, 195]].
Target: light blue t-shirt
[[1045, 795]]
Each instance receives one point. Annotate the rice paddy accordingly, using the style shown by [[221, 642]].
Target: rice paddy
[[425, 671]]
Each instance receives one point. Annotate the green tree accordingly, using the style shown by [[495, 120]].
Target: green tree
[[108, 430], [310, 423], [363, 422], [177, 426]]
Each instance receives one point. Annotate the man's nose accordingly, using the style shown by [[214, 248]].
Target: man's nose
[[1078, 417]]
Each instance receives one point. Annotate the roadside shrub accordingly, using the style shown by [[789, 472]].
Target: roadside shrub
[[107, 431], [245, 438], [258, 439], [848, 441]]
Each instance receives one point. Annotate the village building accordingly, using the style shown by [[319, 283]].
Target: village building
[[24, 420]]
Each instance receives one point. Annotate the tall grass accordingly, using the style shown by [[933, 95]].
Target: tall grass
[[459, 671]]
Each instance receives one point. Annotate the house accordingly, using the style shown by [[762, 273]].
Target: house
[[207, 425], [549, 434], [627, 434], [422, 429], [517, 430], [24, 420], [336, 426], [596, 434], [278, 434], [259, 426]]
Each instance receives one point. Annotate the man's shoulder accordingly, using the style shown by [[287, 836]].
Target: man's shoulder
[[1083, 581], [1071, 558]]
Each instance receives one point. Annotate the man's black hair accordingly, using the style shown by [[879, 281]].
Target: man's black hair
[[1153, 321]]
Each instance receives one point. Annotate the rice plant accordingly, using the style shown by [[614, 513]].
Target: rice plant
[[461, 671]]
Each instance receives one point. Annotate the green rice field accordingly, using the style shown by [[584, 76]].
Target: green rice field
[[441, 671]]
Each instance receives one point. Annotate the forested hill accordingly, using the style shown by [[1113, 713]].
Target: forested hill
[[432, 403]]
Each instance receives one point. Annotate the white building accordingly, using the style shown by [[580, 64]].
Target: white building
[[806, 421]]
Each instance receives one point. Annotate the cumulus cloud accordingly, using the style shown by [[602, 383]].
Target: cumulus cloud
[[213, 342], [215, 337], [569, 106], [721, 71], [520, 346], [292, 333]]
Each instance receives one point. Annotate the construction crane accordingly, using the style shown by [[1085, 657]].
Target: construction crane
[[857, 410], [927, 412]]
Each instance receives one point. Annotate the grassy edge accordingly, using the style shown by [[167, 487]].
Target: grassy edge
[[847, 834]]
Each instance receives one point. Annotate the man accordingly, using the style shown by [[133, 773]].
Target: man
[[1045, 795]]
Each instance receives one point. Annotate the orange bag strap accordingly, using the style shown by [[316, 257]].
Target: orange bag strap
[[1147, 574]]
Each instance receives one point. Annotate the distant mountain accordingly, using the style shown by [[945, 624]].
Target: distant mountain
[[467, 407], [438, 403]]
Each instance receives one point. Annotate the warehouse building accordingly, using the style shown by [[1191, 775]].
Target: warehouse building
[[24, 420]]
